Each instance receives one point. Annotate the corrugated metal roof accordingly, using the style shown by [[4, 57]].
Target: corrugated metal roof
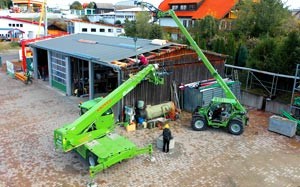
[[103, 48]]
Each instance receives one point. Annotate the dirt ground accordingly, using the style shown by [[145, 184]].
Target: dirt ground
[[30, 113]]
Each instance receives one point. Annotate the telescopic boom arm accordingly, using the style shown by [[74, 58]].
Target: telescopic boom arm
[[78, 133], [159, 14]]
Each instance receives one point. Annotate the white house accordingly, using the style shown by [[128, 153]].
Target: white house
[[76, 26], [19, 28], [120, 15]]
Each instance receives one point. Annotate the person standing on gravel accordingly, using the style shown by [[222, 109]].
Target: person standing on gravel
[[167, 136]]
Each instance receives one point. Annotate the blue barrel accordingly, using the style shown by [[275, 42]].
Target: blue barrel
[[141, 120]]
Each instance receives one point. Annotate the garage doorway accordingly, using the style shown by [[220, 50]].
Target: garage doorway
[[105, 78], [42, 65]]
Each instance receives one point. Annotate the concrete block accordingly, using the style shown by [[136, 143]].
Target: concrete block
[[282, 126]]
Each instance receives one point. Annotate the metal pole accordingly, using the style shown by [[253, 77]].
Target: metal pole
[[135, 40], [46, 19]]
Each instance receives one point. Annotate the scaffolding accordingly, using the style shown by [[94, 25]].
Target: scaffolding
[[270, 87], [295, 100]]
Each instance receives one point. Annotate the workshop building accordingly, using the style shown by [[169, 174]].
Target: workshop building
[[101, 63]]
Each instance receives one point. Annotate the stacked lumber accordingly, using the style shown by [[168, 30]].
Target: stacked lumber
[[121, 64], [21, 76]]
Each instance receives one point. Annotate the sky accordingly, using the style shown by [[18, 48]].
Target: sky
[[293, 4]]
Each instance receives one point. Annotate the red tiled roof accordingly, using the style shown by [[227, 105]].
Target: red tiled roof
[[20, 20], [216, 8]]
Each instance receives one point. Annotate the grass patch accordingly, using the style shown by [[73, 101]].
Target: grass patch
[[8, 45]]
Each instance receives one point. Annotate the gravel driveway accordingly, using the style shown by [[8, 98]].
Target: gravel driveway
[[30, 113]]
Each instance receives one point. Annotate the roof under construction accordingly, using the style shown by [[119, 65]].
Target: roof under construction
[[104, 49]]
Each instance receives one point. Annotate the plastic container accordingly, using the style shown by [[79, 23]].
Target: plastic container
[[141, 120], [140, 104]]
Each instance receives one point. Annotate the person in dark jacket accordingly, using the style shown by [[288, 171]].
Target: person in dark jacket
[[167, 136]]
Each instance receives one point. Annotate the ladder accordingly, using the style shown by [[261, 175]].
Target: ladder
[[235, 75], [295, 93]]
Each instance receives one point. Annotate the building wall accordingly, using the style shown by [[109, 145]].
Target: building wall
[[183, 67], [82, 27], [113, 17], [169, 22], [31, 30]]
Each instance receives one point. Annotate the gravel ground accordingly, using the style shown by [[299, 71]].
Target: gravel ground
[[30, 113]]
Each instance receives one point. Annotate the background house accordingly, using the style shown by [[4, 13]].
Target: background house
[[117, 15], [101, 8], [77, 26], [30, 29], [190, 10]]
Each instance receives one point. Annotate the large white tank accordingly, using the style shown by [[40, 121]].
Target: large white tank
[[156, 111]]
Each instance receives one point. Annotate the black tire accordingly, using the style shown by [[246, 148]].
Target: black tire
[[92, 159], [235, 127], [199, 123]]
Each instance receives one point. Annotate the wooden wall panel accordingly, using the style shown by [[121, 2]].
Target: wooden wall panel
[[183, 67]]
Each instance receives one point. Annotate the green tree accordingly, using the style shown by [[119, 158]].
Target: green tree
[[241, 56], [156, 32], [263, 56], [130, 28], [118, 22], [219, 45], [264, 18], [142, 24], [230, 48], [91, 5], [5, 4], [76, 5], [289, 53], [203, 31]]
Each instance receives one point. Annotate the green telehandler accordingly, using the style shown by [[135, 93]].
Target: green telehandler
[[235, 116], [92, 136]]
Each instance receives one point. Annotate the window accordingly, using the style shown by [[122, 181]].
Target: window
[[192, 7], [119, 30], [182, 7], [9, 25], [13, 25], [110, 30], [84, 29], [174, 7], [102, 30], [184, 22], [93, 30], [18, 25], [58, 68], [21, 25]]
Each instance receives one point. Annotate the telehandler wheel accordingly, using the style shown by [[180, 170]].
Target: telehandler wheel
[[92, 159], [199, 124], [235, 127]]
